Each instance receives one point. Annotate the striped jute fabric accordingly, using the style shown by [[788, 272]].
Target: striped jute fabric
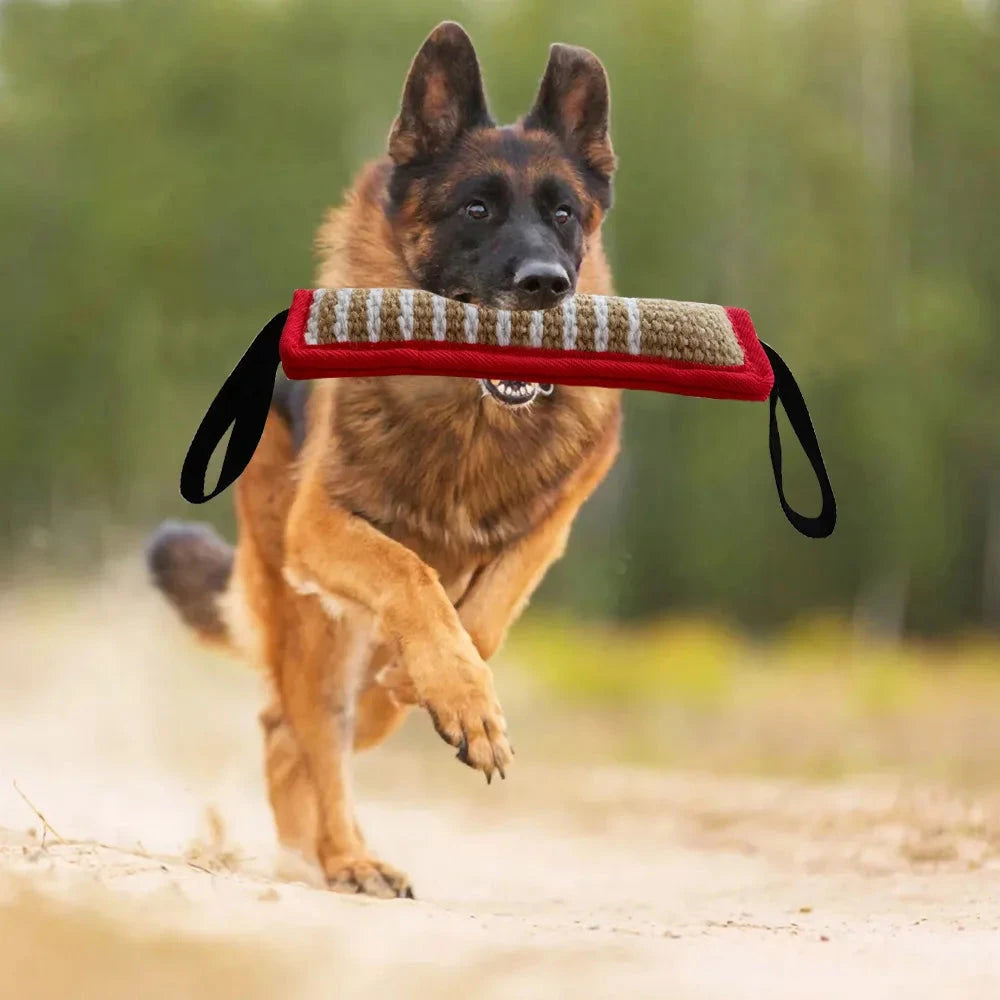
[[655, 328]]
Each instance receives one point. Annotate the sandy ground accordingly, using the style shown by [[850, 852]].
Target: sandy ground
[[153, 872]]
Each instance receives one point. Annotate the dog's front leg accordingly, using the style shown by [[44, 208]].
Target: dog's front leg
[[504, 585], [434, 663], [308, 737]]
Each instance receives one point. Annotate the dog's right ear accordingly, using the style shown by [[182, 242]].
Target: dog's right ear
[[442, 98]]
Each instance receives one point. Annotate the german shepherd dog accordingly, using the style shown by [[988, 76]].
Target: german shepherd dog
[[391, 528]]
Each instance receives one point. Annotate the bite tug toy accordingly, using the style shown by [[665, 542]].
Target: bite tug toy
[[689, 348]]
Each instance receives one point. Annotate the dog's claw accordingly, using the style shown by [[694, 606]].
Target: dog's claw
[[463, 748], [497, 763]]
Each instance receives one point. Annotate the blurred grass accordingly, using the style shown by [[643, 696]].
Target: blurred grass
[[819, 699], [702, 663]]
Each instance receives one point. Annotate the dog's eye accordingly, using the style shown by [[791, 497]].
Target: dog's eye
[[477, 210], [563, 214]]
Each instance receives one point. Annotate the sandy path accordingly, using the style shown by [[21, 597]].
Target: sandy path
[[526, 906], [564, 881]]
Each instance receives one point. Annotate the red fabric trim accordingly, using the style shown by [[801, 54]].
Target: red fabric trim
[[751, 380], [754, 359], [294, 332]]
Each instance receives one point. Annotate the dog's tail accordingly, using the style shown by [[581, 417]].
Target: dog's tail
[[192, 566]]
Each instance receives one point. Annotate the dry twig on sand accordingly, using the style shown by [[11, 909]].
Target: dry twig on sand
[[47, 827]]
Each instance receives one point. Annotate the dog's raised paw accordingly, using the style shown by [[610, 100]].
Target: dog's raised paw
[[472, 721], [449, 679], [368, 877]]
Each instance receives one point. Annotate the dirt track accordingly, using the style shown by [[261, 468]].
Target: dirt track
[[564, 881]]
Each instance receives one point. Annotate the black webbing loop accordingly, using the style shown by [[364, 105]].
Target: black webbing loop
[[787, 392], [242, 402]]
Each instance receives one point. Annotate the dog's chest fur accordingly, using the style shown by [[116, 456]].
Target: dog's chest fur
[[451, 474]]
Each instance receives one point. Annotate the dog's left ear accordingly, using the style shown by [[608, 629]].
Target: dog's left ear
[[573, 102], [443, 96]]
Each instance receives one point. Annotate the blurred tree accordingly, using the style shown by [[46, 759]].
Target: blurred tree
[[834, 165]]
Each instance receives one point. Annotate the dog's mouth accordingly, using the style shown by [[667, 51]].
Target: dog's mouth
[[513, 393], [509, 392]]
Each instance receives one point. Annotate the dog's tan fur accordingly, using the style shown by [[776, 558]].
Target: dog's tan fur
[[379, 566]]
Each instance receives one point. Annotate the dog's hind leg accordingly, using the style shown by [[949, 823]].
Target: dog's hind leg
[[376, 713]]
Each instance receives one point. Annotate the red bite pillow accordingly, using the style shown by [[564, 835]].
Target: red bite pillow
[[690, 348]]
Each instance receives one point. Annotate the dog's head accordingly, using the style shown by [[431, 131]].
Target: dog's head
[[499, 216]]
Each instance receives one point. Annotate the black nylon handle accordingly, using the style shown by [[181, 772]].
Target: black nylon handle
[[242, 403], [786, 391]]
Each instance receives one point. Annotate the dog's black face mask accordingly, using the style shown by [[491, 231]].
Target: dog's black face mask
[[501, 222]]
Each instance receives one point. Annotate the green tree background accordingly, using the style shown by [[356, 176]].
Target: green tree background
[[833, 165]]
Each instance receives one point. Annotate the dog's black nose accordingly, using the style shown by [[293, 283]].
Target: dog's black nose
[[541, 284]]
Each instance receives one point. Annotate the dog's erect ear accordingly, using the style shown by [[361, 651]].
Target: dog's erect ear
[[574, 103], [442, 98]]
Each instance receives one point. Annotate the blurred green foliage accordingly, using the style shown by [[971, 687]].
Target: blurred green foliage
[[832, 165], [819, 699], [700, 664]]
